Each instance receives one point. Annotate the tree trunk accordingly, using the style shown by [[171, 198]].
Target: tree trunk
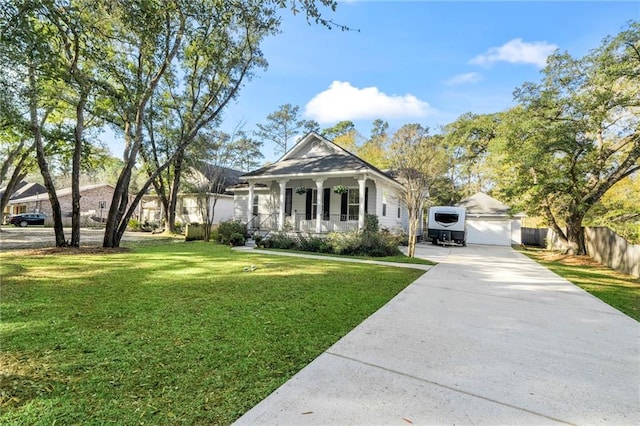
[[75, 172], [173, 197], [42, 162], [575, 236], [120, 197], [411, 248]]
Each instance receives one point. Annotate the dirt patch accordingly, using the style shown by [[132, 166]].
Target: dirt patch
[[569, 260], [23, 378]]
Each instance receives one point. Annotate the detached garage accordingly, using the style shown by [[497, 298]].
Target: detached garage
[[490, 222]]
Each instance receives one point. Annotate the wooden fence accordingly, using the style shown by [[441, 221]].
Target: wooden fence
[[534, 236], [607, 248]]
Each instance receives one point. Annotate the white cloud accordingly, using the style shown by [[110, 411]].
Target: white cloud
[[342, 101], [470, 77], [517, 51]]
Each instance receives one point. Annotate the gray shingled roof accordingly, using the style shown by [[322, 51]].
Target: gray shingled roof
[[482, 204], [324, 164]]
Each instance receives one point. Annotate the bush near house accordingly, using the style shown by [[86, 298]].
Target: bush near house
[[368, 242], [232, 232]]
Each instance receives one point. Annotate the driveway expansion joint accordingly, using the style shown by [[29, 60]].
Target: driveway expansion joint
[[440, 385]]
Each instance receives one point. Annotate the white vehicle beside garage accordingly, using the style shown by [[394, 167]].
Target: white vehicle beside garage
[[447, 225]]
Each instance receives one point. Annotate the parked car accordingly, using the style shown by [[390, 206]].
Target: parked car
[[26, 219]]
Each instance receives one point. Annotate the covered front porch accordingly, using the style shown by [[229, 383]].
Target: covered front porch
[[318, 205]]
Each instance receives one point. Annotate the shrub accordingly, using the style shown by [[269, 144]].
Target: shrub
[[237, 239], [134, 225], [312, 243], [379, 244], [344, 242], [280, 241], [371, 224], [227, 229]]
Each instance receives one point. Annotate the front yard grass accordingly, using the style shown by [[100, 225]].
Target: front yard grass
[[618, 290], [174, 333]]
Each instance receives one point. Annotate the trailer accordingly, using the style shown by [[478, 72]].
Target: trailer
[[447, 225]]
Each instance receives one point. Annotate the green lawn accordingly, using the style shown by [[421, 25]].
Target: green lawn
[[618, 290], [175, 333]]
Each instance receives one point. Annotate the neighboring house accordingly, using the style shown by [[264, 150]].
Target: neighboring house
[[187, 207], [318, 187], [95, 201], [22, 190], [490, 222]]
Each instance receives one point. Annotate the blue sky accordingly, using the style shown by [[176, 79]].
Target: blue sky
[[422, 62]]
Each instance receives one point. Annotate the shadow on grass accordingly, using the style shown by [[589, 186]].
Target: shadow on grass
[[176, 333]]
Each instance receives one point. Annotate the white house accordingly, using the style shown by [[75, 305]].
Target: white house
[[318, 187], [490, 221], [188, 209]]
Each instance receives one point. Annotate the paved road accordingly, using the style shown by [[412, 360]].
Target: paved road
[[486, 337], [12, 238]]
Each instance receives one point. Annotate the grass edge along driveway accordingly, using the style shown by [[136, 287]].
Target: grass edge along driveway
[[170, 333]]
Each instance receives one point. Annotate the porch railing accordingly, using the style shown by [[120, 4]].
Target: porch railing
[[264, 222], [299, 223], [328, 223]]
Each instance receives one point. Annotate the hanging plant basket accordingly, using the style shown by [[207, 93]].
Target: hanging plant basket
[[340, 189], [301, 190]]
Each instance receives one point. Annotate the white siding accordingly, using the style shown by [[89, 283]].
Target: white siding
[[389, 221], [223, 210], [516, 231]]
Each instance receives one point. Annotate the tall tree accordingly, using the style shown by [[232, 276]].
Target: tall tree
[[576, 134], [284, 128], [16, 152], [55, 77], [246, 152], [209, 177], [343, 134], [164, 39], [417, 161], [466, 142], [32, 65], [374, 150], [148, 37]]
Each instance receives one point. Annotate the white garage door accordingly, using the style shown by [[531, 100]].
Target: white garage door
[[493, 232]]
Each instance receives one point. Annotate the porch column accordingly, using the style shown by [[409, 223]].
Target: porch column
[[250, 207], [283, 188], [319, 208], [361, 185]]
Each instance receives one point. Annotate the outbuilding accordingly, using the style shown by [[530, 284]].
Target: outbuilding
[[490, 221]]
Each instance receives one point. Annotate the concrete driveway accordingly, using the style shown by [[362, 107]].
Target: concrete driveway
[[486, 337]]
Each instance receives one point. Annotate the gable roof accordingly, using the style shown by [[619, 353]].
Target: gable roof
[[225, 177], [60, 193], [24, 189], [482, 204], [316, 155]]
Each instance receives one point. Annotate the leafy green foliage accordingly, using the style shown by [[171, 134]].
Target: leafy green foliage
[[281, 126], [368, 243], [574, 135], [232, 232]]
